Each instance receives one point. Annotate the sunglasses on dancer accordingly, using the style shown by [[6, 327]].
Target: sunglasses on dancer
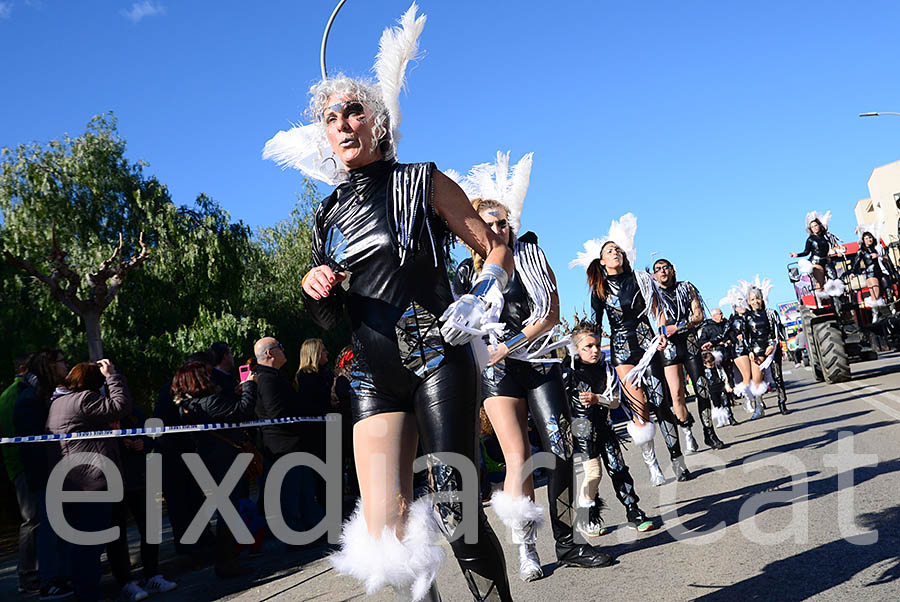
[[662, 267], [346, 109]]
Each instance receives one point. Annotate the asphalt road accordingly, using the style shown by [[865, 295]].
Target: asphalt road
[[797, 507]]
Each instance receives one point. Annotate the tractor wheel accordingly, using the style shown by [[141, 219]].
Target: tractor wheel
[[832, 357]]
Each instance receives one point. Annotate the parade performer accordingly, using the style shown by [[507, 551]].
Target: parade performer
[[737, 329], [871, 264], [587, 379], [520, 379], [630, 300], [715, 378], [714, 336], [765, 336], [684, 312], [819, 245], [379, 252]]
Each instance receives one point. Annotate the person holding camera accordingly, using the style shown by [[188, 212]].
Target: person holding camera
[[84, 404]]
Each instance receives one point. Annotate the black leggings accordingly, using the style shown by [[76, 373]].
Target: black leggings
[[614, 462], [660, 398], [552, 417], [117, 551], [778, 374]]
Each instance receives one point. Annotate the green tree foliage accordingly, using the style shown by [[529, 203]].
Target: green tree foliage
[[206, 278]]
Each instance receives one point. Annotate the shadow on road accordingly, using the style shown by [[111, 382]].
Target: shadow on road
[[832, 564]]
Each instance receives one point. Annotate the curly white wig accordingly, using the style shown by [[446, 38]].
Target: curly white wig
[[342, 86]]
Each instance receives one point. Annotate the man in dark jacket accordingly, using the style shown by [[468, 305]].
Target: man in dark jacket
[[223, 364], [45, 370], [27, 567], [277, 399]]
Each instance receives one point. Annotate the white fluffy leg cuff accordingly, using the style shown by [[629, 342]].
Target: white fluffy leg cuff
[[740, 389], [642, 433], [760, 389], [834, 288], [718, 355], [407, 565], [720, 416], [516, 511]]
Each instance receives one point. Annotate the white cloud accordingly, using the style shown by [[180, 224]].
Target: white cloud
[[139, 10], [5, 10]]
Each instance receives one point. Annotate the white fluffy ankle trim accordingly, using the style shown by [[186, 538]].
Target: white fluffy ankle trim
[[740, 389], [515, 511], [410, 564], [718, 356], [760, 389], [641, 434], [720, 416], [834, 288]]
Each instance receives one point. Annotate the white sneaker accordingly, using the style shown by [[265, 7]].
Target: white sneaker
[[158, 584], [132, 592]]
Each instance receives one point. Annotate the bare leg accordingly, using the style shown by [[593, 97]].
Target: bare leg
[[385, 446], [743, 365], [874, 287], [634, 393], [818, 275], [509, 417]]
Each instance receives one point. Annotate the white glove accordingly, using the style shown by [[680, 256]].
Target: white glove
[[472, 316]]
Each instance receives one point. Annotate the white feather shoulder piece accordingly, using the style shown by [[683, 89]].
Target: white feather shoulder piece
[[304, 147]]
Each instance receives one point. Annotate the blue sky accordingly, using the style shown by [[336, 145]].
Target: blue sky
[[719, 124]]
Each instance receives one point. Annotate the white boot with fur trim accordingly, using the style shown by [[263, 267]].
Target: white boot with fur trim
[[408, 565], [524, 518], [642, 435]]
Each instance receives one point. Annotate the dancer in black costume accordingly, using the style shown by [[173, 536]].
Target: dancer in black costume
[[765, 335], [684, 312], [819, 245], [513, 388], [587, 382], [871, 264], [630, 300], [379, 253], [737, 331]]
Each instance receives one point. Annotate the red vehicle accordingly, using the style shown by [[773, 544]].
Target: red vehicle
[[841, 330]]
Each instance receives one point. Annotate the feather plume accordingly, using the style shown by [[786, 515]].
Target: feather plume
[[823, 219], [621, 232], [495, 182], [398, 46], [304, 147]]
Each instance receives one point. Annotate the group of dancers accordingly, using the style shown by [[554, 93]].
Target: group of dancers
[[430, 349]]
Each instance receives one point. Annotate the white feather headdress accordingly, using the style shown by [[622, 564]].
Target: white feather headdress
[[765, 286], [873, 229], [735, 298], [621, 232], [494, 181], [823, 219], [305, 147]]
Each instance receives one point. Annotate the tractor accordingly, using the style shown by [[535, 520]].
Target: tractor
[[842, 330]]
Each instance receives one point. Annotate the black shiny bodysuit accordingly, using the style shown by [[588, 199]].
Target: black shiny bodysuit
[[818, 248], [381, 227], [630, 332], [764, 329], [630, 335]]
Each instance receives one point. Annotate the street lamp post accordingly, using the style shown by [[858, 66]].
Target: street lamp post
[[876, 114]]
